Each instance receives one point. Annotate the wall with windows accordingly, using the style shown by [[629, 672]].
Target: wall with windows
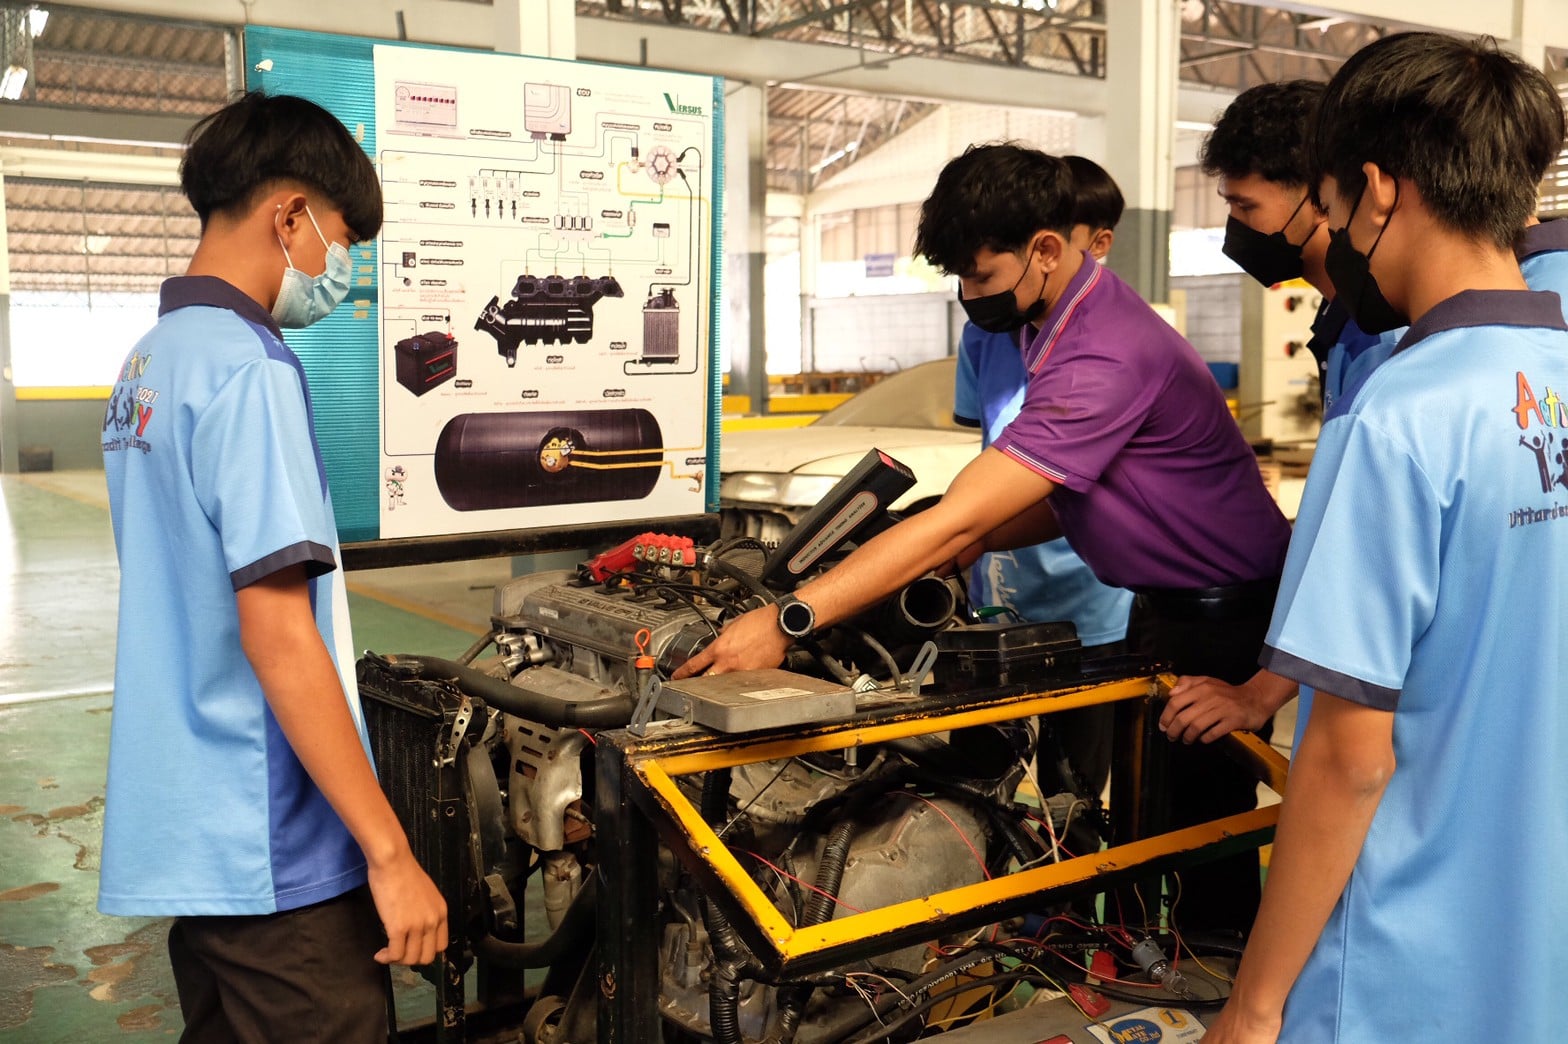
[[86, 259]]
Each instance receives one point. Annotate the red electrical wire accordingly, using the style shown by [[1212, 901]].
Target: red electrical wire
[[803, 884], [957, 829]]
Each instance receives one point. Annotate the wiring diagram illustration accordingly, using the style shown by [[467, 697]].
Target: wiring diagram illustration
[[545, 275]]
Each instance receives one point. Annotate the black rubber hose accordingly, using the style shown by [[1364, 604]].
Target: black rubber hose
[[830, 874], [1014, 835], [576, 925], [819, 908], [608, 713], [724, 984], [724, 1002]]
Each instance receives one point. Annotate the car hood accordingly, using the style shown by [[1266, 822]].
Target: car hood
[[826, 449]]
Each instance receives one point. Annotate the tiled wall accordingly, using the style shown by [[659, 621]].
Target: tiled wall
[[1213, 315], [878, 333]]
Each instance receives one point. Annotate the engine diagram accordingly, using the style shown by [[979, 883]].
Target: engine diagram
[[566, 214]]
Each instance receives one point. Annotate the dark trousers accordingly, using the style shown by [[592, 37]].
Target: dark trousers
[[1220, 637], [305, 976], [1076, 747]]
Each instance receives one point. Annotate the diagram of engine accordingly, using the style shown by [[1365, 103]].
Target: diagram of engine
[[564, 215]]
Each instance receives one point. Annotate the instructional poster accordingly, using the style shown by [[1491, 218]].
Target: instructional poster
[[545, 284]]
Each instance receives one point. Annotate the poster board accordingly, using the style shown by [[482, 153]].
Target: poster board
[[528, 346]]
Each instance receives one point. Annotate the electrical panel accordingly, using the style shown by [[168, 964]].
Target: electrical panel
[[1280, 395]]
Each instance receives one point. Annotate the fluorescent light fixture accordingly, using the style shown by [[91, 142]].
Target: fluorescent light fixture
[[12, 82], [37, 18], [86, 139], [1322, 25], [833, 157]]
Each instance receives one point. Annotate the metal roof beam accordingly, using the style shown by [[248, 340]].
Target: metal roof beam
[[64, 123]]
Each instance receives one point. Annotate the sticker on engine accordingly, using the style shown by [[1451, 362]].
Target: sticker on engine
[[776, 694], [1150, 1026]]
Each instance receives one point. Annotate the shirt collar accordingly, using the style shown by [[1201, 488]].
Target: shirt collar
[[185, 291], [1538, 239], [1083, 280], [1487, 308]]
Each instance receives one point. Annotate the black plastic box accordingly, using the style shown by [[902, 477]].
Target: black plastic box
[[988, 655]]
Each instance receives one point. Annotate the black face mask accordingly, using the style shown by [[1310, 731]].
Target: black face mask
[[1351, 273], [998, 313], [1268, 257]]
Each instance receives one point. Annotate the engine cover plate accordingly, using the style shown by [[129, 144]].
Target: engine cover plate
[[750, 701]]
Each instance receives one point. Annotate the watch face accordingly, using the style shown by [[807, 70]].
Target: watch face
[[796, 618]]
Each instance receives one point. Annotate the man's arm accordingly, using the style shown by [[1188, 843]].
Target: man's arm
[[302, 686], [1033, 525], [992, 489], [1206, 708], [1341, 768]]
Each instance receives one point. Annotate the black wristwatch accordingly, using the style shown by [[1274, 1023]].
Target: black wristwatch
[[796, 618]]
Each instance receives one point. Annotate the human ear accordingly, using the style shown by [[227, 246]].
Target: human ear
[[1382, 192], [1100, 245], [289, 216], [1049, 247]]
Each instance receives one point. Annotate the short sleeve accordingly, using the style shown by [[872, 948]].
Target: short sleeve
[[1077, 417], [258, 477], [966, 381], [1361, 579]]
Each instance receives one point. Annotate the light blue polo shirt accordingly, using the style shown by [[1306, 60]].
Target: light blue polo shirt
[[1543, 257], [1459, 628], [1047, 581], [215, 482], [1353, 357]]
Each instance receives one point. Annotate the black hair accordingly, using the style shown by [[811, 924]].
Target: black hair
[[1097, 202], [1473, 126], [996, 197], [260, 140], [1264, 132]]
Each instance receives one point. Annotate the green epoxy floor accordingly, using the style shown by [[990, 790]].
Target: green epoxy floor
[[67, 973]]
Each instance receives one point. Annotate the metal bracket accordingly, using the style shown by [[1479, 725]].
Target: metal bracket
[[920, 670], [645, 704], [454, 740]]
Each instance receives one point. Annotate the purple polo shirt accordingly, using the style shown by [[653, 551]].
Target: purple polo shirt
[[1156, 486]]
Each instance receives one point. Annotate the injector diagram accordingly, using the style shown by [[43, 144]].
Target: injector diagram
[[568, 225]]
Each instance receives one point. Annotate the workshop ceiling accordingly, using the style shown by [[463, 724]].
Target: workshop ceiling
[[91, 237], [99, 61], [82, 59]]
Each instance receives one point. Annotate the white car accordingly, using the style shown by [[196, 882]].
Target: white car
[[771, 477]]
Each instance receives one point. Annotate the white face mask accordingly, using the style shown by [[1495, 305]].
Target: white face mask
[[302, 299]]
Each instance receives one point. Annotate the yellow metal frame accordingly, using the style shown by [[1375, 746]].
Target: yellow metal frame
[[659, 772]]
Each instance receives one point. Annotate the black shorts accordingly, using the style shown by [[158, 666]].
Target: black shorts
[[302, 976]]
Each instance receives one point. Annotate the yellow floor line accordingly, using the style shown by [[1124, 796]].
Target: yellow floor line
[[398, 602], [61, 489]]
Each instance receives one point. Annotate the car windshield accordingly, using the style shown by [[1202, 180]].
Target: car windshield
[[919, 397]]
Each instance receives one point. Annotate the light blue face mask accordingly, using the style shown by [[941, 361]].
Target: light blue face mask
[[302, 299]]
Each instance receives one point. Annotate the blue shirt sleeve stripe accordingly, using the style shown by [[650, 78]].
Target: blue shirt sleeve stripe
[[1325, 679], [318, 559]]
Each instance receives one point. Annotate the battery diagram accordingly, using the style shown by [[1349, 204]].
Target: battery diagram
[[545, 284]]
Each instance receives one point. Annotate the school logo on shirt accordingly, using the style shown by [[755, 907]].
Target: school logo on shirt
[[131, 407], [1544, 420]]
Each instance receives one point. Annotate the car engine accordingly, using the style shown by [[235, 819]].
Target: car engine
[[489, 761]]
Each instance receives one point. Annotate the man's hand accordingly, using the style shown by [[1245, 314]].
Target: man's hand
[[411, 909], [747, 642], [1205, 709]]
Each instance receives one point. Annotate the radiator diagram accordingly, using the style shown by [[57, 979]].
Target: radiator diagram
[[556, 219]]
